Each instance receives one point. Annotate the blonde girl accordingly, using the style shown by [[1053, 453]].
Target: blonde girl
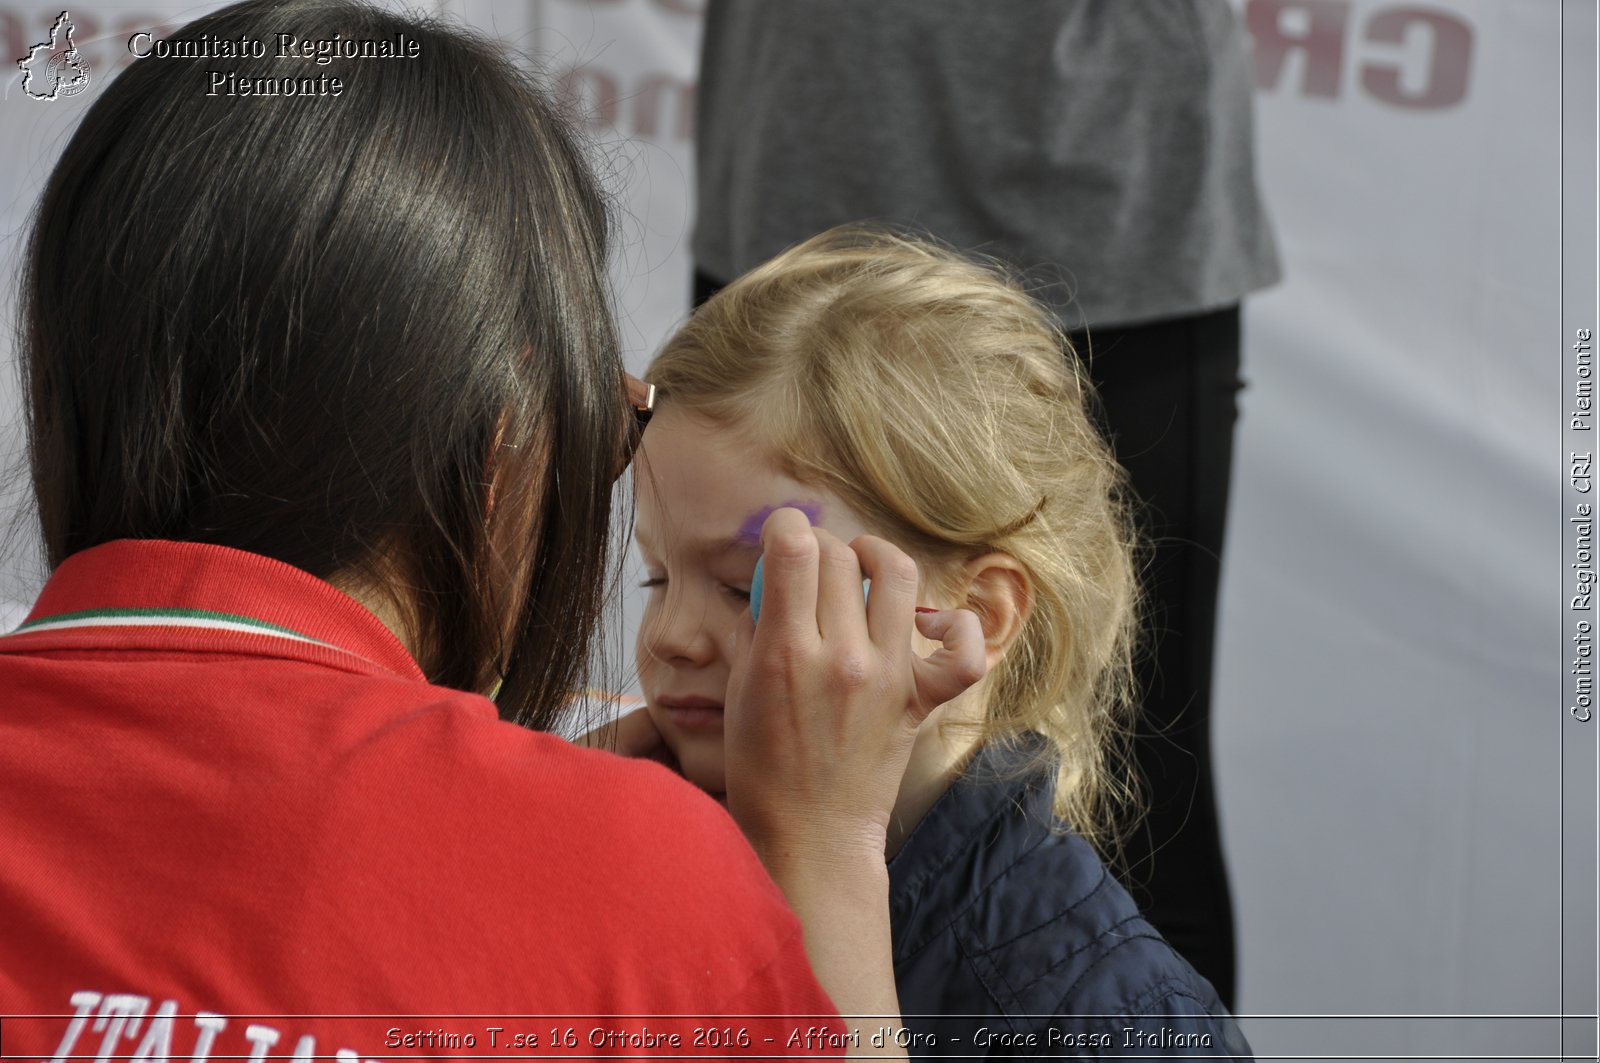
[[885, 386]]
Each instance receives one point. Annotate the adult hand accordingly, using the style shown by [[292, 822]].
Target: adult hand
[[823, 705], [826, 694]]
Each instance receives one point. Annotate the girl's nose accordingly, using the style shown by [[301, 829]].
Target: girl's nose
[[677, 634]]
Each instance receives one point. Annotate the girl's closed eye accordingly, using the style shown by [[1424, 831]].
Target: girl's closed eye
[[738, 594]]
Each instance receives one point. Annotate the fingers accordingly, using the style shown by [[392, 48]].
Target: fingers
[[789, 569], [813, 584], [632, 734], [636, 735], [840, 617], [891, 604], [825, 694], [959, 662], [815, 577]]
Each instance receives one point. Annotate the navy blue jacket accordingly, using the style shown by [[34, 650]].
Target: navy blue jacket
[[1011, 938]]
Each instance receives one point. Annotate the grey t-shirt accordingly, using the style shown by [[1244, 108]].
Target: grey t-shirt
[[1102, 146]]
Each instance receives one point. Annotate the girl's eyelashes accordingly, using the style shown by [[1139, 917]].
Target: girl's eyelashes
[[738, 594]]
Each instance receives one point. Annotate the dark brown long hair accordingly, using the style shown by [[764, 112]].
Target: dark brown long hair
[[319, 328]]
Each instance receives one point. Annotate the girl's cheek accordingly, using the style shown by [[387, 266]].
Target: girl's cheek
[[727, 633], [649, 635]]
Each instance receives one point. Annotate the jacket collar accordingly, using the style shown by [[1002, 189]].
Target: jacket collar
[[151, 594], [999, 807]]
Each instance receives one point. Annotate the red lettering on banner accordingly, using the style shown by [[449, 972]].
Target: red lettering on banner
[[659, 104], [647, 105], [17, 42], [1321, 41], [1448, 59], [589, 95], [1318, 32], [675, 7]]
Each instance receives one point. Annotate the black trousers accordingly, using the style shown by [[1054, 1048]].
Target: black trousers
[[1168, 402], [1167, 396]]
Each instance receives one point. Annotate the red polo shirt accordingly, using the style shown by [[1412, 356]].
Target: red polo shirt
[[226, 790]]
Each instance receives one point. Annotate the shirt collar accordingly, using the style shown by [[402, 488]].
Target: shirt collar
[[137, 593]]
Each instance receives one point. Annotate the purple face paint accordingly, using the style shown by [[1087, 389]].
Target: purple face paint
[[749, 533]]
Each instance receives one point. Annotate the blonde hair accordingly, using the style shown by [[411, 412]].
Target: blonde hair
[[940, 402]]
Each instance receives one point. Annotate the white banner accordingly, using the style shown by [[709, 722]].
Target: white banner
[[1390, 721]]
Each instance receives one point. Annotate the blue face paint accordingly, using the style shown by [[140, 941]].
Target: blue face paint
[[755, 591]]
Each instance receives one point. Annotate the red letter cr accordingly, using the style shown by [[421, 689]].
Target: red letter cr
[[1448, 63], [1322, 41]]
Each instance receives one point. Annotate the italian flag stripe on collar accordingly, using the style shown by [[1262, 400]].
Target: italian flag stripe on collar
[[159, 617]]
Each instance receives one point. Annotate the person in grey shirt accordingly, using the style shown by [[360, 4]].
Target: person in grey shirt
[[1103, 148]]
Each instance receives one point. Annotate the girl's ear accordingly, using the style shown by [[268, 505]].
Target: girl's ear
[[1000, 591]]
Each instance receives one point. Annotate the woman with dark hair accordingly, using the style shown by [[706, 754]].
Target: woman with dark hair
[[325, 409]]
